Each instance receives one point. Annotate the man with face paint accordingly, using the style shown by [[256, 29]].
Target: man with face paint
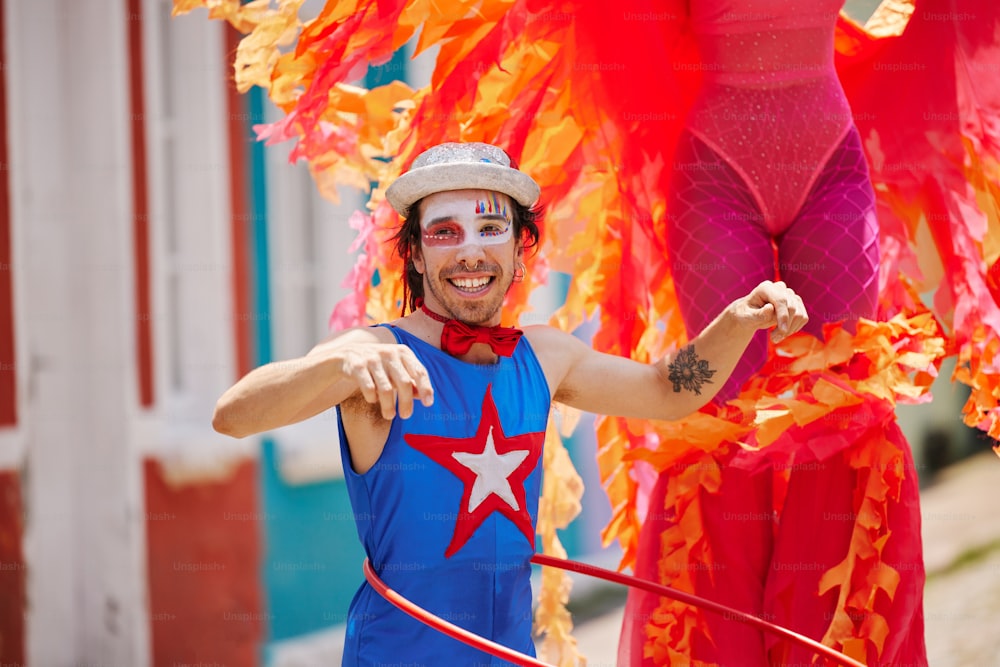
[[443, 411]]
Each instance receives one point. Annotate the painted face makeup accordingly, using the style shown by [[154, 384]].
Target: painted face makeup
[[490, 224], [492, 205]]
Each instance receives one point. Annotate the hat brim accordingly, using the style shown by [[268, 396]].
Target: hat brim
[[416, 184]]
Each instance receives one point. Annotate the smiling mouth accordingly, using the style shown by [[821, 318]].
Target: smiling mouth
[[471, 284]]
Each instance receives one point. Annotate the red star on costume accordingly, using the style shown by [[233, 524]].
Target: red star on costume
[[492, 466]]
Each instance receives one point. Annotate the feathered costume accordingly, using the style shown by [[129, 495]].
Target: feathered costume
[[685, 154]]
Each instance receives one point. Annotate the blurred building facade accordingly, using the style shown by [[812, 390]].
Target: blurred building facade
[[151, 253]]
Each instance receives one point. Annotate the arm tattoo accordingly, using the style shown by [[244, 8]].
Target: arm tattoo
[[687, 371]]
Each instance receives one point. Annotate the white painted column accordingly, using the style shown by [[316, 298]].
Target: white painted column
[[71, 203]]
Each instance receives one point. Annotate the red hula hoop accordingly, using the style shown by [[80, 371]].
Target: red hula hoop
[[524, 660], [450, 629]]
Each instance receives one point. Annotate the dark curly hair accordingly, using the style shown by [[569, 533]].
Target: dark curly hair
[[408, 237]]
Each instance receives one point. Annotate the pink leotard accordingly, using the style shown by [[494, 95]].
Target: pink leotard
[[769, 180], [771, 104]]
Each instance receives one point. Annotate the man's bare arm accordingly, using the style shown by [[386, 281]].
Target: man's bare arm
[[356, 361], [672, 387]]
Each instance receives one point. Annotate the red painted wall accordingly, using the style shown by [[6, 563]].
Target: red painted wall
[[140, 203], [12, 571], [239, 205], [8, 366], [204, 569]]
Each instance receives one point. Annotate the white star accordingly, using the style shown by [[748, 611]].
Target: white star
[[492, 471]]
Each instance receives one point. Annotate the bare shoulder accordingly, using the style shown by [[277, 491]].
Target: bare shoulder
[[547, 339], [557, 352], [356, 335]]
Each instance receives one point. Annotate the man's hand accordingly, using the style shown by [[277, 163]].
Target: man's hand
[[385, 373], [772, 305]]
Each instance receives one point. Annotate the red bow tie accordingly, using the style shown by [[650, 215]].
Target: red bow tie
[[458, 337]]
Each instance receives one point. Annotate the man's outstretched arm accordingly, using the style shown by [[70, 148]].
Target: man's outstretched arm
[[672, 387], [357, 361]]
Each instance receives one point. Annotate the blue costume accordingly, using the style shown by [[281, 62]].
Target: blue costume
[[447, 514]]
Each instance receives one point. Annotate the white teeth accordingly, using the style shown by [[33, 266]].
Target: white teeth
[[470, 283]]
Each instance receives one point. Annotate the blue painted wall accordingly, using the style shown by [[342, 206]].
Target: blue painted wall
[[312, 556]]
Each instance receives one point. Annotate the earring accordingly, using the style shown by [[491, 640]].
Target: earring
[[519, 272]]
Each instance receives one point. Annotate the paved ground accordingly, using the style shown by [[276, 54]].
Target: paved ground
[[961, 533], [962, 552]]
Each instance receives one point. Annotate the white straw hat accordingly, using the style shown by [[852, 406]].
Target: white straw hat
[[461, 166]]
